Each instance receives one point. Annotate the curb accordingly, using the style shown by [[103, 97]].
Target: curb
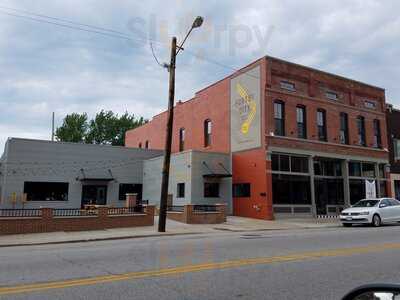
[[220, 230]]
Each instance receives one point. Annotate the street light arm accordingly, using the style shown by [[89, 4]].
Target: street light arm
[[184, 40]]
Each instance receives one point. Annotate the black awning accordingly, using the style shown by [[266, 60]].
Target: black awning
[[96, 179], [217, 175]]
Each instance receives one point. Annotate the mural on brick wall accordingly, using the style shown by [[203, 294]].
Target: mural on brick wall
[[246, 111]]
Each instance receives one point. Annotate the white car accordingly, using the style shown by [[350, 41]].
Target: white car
[[372, 211]]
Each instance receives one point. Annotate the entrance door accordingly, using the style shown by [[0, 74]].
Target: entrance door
[[94, 194], [397, 189], [329, 195]]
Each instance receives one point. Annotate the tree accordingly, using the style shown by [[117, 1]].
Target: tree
[[106, 128], [73, 129], [110, 128]]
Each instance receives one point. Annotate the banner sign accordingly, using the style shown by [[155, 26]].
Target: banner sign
[[370, 189], [246, 111]]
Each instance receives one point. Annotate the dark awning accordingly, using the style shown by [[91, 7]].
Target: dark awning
[[96, 179], [217, 174]]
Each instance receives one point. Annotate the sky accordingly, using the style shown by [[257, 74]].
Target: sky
[[47, 67]]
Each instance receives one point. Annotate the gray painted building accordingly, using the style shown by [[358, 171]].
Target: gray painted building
[[36, 173], [195, 177], [64, 175]]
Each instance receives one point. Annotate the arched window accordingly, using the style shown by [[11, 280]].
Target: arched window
[[140, 145], [146, 145], [181, 139], [207, 132]]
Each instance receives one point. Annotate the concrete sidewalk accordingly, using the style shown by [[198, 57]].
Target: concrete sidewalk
[[233, 224]]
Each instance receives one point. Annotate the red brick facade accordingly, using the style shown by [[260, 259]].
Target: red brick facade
[[252, 166], [48, 223]]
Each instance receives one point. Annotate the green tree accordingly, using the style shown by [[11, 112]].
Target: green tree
[[73, 129], [110, 128]]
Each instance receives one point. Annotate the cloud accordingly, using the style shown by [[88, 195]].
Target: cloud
[[45, 68]]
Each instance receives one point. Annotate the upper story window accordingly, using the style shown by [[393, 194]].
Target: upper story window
[[370, 104], [362, 141], [207, 133], [377, 134], [332, 95], [279, 116], [146, 145], [344, 128], [181, 139], [321, 123], [301, 122], [289, 86], [396, 148]]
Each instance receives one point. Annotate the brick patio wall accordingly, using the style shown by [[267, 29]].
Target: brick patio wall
[[48, 223], [189, 216]]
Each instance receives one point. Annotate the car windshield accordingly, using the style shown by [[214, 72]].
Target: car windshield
[[366, 203]]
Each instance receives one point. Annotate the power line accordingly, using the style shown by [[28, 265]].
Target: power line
[[110, 33], [60, 19]]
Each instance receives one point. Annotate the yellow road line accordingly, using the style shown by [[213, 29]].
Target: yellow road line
[[36, 287]]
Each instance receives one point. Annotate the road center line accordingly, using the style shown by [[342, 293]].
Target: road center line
[[36, 287]]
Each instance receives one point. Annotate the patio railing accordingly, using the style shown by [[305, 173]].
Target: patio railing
[[20, 213]]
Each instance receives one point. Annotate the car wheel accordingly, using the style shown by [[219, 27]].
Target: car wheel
[[347, 224], [376, 221]]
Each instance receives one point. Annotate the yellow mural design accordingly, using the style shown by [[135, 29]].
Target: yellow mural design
[[252, 105]]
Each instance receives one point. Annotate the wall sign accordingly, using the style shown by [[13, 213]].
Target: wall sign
[[246, 111]]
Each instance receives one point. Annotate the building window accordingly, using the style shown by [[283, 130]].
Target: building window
[[321, 123], [181, 139], [180, 190], [382, 170], [146, 145], [361, 131], [358, 169], [46, 191], [327, 167], [370, 104], [241, 190], [207, 133], [289, 86], [279, 116], [288, 189], [129, 188], [301, 122], [368, 170], [396, 147], [140, 145], [332, 96], [344, 128], [287, 163], [211, 189], [377, 134]]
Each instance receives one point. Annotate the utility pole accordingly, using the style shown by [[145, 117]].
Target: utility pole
[[168, 141], [52, 127]]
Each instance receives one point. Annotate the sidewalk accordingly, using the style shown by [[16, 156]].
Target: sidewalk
[[233, 224]]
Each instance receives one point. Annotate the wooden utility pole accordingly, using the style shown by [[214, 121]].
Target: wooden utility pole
[[168, 141]]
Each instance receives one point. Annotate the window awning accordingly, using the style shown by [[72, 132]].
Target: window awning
[[96, 179], [216, 174], [95, 176]]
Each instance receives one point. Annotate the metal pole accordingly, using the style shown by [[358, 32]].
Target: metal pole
[[168, 141]]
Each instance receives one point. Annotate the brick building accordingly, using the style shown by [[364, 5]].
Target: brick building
[[393, 127], [301, 141]]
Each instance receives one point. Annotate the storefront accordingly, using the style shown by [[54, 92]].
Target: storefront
[[317, 185]]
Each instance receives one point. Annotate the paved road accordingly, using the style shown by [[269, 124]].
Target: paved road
[[301, 264]]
